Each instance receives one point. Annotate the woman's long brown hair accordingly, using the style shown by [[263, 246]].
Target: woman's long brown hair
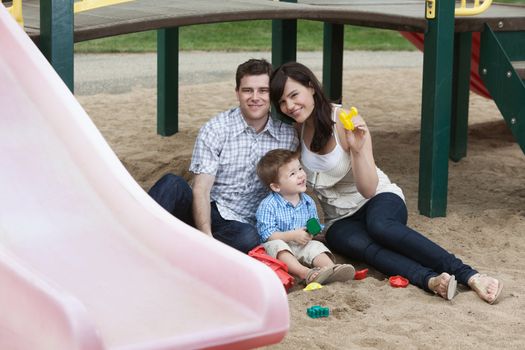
[[323, 124]]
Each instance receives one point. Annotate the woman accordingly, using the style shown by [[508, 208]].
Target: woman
[[365, 213]]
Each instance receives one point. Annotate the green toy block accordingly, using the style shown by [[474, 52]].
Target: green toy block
[[317, 311], [313, 226]]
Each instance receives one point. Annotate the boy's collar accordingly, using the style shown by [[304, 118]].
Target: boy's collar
[[284, 202]]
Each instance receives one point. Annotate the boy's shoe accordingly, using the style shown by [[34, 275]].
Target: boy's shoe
[[341, 273], [318, 274]]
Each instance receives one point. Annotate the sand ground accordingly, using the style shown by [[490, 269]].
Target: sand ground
[[485, 221]]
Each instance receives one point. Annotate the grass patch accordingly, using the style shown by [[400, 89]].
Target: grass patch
[[247, 36]]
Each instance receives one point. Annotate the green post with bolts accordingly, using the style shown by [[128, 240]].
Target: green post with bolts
[[436, 107]]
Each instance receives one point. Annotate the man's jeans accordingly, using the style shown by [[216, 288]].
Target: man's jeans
[[174, 194]]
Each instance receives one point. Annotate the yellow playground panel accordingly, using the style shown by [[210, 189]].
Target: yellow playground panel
[[85, 5], [16, 11], [79, 6]]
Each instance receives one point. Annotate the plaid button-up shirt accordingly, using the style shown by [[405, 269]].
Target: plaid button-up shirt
[[229, 149], [276, 214]]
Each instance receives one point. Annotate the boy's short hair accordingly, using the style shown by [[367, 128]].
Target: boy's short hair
[[269, 165], [252, 67]]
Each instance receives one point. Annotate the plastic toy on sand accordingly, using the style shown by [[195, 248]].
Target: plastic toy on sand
[[361, 274], [398, 281], [317, 311], [346, 118], [312, 286]]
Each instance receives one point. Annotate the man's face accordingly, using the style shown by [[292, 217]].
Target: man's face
[[254, 97]]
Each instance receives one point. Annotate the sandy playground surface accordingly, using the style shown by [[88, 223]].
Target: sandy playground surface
[[484, 226]]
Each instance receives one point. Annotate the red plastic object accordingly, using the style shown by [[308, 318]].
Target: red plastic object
[[278, 266], [476, 84], [398, 281], [361, 274]]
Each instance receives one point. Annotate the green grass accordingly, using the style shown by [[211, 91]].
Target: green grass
[[247, 36]]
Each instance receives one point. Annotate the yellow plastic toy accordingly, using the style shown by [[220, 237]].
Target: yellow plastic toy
[[346, 118], [313, 286]]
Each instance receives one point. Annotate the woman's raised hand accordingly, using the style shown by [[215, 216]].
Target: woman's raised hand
[[356, 138]]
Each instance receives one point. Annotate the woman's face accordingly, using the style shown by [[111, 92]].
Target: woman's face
[[297, 101]]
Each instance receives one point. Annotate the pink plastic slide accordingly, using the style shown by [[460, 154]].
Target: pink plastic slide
[[87, 259]]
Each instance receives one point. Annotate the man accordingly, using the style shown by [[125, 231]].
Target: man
[[226, 189]]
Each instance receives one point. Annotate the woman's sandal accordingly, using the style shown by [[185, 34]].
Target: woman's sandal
[[342, 273], [450, 290], [480, 284], [318, 274]]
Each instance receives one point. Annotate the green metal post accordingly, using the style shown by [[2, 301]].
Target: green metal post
[[333, 61], [56, 37], [284, 40], [168, 81], [460, 95], [497, 52], [436, 110]]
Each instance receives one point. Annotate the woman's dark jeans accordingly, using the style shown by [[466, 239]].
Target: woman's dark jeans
[[377, 235], [174, 194]]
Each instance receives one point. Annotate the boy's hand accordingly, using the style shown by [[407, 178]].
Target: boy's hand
[[301, 236]]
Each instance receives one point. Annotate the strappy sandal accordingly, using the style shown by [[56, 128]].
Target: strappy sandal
[[318, 274], [342, 273], [450, 292], [480, 282]]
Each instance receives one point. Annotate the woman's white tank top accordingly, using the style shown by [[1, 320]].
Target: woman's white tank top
[[327, 168], [331, 178]]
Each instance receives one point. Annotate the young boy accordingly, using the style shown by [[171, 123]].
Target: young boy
[[281, 220]]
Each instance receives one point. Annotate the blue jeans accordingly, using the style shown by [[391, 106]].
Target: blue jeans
[[377, 235], [174, 194]]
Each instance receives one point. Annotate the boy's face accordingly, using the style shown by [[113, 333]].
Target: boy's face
[[292, 179]]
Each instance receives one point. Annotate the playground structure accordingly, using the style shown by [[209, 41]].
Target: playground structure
[[450, 47], [447, 65]]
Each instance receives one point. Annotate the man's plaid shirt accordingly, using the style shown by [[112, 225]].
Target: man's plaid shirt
[[229, 149]]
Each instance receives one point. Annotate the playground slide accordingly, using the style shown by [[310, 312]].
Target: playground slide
[[87, 259], [476, 84]]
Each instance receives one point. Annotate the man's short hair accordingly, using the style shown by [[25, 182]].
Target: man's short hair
[[252, 67], [269, 165]]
